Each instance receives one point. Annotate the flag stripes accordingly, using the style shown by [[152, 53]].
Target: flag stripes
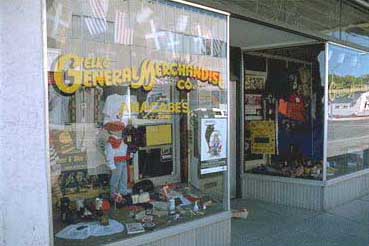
[[96, 24], [123, 34]]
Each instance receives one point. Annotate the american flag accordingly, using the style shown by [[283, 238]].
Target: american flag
[[96, 24], [123, 34]]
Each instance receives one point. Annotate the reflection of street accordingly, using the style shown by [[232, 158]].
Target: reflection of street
[[347, 136]]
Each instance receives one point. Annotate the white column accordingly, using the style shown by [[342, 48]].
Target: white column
[[24, 203]]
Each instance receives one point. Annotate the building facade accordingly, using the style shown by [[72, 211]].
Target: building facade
[[135, 122]]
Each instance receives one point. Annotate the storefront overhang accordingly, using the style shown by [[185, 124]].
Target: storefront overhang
[[342, 21]]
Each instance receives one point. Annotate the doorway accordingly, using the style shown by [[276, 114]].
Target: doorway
[[257, 52]]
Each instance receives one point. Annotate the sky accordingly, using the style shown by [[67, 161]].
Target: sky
[[345, 61]]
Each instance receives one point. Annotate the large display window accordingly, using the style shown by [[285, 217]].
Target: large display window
[[138, 120], [348, 111], [283, 112]]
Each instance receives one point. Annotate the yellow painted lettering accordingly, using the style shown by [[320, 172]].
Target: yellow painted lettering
[[108, 78], [166, 69], [87, 63], [185, 108], [117, 77], [87, 79], [135, 76], [173, 70], [106, 63], [127, 75], [181, 70], [158, 70], [204, 75], [197, 73], [75, 77]]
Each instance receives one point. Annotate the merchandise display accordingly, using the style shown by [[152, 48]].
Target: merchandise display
[[144, 212], [283, 118], [126, 156]]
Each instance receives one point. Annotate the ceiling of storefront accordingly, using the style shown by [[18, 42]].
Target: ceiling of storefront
[[254, 36], [346, 20]]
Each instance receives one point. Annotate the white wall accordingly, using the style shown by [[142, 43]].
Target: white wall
[[23, 164]]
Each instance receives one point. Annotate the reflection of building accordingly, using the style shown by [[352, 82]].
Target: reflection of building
[[357, 105]]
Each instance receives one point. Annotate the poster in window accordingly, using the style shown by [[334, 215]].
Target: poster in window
[[70, 158], [262, 137], [158, 135], [213, 139], [253, 107], [255, 80]]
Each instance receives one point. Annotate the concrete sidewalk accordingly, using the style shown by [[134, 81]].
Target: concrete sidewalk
[[276, 225]]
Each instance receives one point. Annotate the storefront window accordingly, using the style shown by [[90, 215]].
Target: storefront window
[[283, 111], [348, 111], [137, 117]]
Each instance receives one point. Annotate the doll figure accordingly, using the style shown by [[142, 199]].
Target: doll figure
[[117, 157]]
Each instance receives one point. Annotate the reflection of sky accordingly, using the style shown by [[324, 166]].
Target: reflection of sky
[[351, 37], [345, 61]]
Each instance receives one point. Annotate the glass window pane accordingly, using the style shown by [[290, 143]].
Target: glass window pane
[[284, 111], [354, 25], [348, 115], [138, 117]]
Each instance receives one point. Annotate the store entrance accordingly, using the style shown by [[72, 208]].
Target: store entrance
[[279, 104]]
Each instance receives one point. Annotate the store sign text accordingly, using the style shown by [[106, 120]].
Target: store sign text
[[92, 72], [346, 92], [155, 107]]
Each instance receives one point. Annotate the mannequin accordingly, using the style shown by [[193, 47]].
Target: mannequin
[[117, 150], [117, 157]]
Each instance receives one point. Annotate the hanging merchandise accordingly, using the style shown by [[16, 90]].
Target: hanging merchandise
[[293, 109], [130, 138], [277, 80], [282, 107], [296, 108], [305, 79]]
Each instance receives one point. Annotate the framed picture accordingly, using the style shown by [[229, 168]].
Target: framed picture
[[254, 80], [253, 107], [213, 139]]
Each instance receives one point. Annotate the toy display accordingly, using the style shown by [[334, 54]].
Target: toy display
[[143, 211]]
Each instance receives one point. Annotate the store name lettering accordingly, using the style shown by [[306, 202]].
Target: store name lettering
[[92, 72], [155, 107], [349, 91]]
